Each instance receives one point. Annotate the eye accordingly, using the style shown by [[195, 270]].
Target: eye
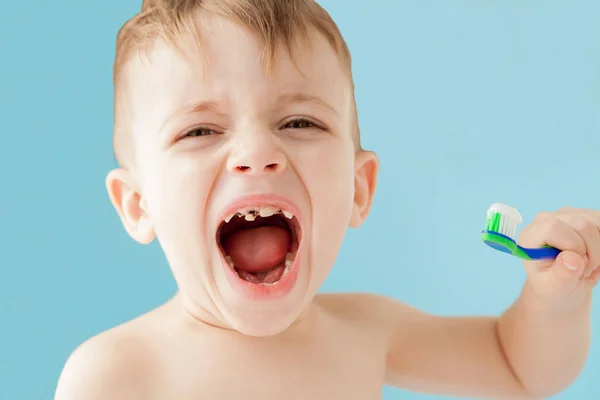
[[198, 131], [301, 123]]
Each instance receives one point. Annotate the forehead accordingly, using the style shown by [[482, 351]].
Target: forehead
[[228, 66]]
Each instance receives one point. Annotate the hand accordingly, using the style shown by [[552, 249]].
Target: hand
[[575, 272]]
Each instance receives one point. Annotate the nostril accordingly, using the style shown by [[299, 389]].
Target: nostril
[[267, 168]]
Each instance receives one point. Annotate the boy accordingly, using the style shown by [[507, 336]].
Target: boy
[[238, 143]]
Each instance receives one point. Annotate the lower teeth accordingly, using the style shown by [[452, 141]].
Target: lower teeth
[[289, 260]]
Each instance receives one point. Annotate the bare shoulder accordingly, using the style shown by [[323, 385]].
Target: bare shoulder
[[115, 364], [372, 309], [366, 304]]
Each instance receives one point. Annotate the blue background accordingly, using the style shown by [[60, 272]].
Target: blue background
[[466, 102]]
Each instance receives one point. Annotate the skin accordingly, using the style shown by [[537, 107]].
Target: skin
[[208, 342]]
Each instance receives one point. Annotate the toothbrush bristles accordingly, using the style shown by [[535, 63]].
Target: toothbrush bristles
[[503, 219]]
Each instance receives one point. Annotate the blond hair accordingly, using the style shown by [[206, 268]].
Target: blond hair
[[274, 22]]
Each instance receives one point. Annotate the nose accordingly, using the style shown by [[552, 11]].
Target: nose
[[256, 155]]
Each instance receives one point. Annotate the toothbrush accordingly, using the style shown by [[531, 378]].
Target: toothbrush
[[500, 230]]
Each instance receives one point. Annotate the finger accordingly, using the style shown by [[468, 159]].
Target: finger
[[594, 214], [589, 232], [548, 229], [566, 271]]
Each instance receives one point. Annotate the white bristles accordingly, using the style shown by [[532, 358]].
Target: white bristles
[[510, 218]]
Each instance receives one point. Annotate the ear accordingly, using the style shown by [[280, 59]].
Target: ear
[[365, 182], [130, 205]]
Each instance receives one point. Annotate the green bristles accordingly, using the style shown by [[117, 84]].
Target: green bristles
[[493, 222]]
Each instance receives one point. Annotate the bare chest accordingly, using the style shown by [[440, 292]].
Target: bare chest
[[286, 382], [342, 366]]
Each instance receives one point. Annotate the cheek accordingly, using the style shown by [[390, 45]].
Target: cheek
[[332, 178], [177, 191], [329, 178]]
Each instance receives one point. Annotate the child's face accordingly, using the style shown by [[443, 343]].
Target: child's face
[[245, 143]]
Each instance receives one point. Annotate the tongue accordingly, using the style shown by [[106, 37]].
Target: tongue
[[258, 250]]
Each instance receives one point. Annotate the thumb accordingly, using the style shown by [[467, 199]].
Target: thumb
[[567, 269]]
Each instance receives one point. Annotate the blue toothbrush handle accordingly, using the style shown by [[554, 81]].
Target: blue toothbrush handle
[[541, 253]]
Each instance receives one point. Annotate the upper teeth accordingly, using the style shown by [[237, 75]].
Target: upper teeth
[[250, 213]]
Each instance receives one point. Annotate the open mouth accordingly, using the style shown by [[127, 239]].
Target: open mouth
[[259, 243]]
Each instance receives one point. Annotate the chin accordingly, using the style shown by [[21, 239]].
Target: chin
[[255, 311], [264, 326]]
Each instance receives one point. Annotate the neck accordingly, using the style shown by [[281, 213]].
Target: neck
[[199, 318]]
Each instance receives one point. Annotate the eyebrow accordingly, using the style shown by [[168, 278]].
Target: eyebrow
[[299, 97], [283, 100], [198, 107], [193, 108]]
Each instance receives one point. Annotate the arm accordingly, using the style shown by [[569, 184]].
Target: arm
[[449, 356], [535, 349], [546, 347], [546, 333], [525, 354]]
